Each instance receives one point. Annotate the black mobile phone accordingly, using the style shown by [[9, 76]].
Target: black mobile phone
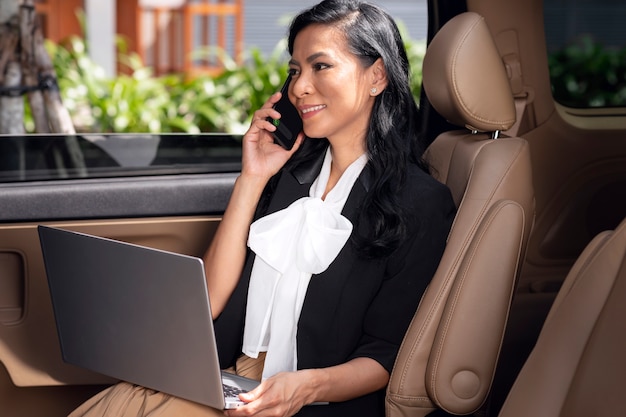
[[290, 124]]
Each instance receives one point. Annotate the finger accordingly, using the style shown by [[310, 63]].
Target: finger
[[273, 99], [258, 125], [298, 142], [255, 393], [263, 123], [263, 114], [247, 397]]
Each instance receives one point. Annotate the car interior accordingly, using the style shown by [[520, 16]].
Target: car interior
[[523, 316], [449, 354]]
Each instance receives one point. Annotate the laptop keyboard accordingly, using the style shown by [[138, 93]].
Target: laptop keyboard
[[231, 391]]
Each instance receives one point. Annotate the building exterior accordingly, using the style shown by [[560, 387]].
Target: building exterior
[[266, 20], [167, 33]]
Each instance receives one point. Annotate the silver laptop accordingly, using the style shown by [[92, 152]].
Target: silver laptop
[[136, 314]]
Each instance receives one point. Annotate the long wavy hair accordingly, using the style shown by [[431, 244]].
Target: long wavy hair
[[393, 138]]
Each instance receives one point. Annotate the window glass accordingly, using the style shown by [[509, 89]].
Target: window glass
[[586, 42], [152, 119], [266, 21], [49, 157]]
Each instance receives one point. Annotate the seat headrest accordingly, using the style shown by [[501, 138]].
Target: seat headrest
[[465, 78]]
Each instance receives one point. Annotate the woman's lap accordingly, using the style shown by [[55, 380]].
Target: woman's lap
[[128, 400]]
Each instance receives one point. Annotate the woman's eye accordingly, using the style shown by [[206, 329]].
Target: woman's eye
[[320, 66], [292, 71]]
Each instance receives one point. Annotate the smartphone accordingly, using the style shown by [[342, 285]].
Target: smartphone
[[290, 124]]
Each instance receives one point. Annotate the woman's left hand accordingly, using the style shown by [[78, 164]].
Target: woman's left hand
[[282, 395]]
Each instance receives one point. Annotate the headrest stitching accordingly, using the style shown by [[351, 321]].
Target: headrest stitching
[[456, 90]]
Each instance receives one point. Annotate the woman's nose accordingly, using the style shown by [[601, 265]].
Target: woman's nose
[[300, 86]]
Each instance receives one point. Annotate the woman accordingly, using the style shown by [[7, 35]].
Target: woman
[[324, 251]]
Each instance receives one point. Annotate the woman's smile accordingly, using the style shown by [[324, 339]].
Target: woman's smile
[[310, 111]]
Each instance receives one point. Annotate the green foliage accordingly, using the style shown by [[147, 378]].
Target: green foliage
[[583, 74], [586, 74], [415, 51], [128, 103], [226, 102], [142, 102]]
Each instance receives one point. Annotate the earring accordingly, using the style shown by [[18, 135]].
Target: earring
[[373, 90]]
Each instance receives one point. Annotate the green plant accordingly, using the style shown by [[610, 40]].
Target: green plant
[[227, 101], [142, 102], [587, 74], [138, 102], [415, 51]]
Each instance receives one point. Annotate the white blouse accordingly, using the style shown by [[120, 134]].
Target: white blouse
[[291, 245]]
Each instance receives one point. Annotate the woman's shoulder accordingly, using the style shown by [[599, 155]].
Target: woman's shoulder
[[428, 204], [420, 185], [424, 198]]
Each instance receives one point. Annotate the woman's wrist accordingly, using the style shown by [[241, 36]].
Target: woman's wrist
[[252, 182], [315, 383], [250, 186]]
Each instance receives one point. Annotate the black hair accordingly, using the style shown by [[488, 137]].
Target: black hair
[[393, 138]]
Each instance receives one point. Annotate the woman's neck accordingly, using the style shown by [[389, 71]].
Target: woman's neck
[[342, 157]]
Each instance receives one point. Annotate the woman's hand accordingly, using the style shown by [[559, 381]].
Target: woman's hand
[[261, 156], [282, 395]]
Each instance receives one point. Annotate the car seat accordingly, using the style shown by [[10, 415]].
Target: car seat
[[577, 366], [449, 354]]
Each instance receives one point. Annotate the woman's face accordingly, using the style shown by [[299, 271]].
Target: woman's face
[[330, 88]]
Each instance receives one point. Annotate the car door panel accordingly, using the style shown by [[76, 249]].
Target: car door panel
[[115, 197], [29, 316], [174, 213]]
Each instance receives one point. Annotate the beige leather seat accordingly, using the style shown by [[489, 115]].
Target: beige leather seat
[[449, 354], [578, 365]]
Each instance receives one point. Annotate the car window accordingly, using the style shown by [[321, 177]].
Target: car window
[[49, 157], [586, 42], [140, 121]]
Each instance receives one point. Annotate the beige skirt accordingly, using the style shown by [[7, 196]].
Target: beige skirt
[[128, 400]]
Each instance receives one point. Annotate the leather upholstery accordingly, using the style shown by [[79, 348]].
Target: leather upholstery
[[450, 351], [467, 80], [577, 366]]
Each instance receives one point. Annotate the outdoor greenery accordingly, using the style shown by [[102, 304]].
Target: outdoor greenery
[[138, 101], [583, 74], [587, 74], [141, 102]]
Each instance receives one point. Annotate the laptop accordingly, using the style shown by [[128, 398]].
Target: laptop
[[136, 314]]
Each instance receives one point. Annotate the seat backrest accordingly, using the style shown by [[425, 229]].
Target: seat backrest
[[448, 357], [578, 364]]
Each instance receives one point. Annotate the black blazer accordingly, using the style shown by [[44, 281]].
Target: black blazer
[[357, 307]]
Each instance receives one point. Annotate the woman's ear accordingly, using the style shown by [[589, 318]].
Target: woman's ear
[[378, 77]]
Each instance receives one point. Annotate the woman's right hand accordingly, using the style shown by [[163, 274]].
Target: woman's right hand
[[262, 157]]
